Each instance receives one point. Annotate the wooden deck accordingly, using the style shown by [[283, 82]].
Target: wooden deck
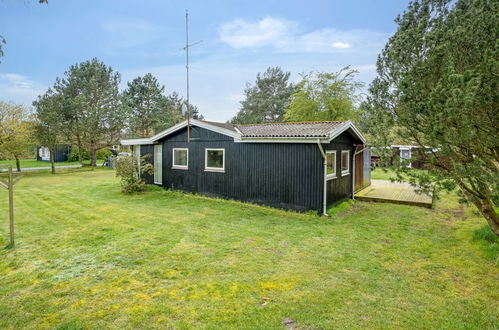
[[393, 192]]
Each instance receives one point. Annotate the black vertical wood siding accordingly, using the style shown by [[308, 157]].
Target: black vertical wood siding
[[283, 175], [341, 186]]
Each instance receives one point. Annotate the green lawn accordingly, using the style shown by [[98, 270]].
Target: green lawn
[[88, 256], [25, 163]]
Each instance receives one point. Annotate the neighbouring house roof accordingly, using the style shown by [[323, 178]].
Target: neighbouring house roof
[[324, 131]]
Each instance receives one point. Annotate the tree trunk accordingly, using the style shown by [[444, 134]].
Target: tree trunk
[[52, 160], [93, 154], [18, 164], [80, 154], [486, 207]]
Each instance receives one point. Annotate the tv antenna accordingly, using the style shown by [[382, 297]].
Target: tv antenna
[[186, 48]]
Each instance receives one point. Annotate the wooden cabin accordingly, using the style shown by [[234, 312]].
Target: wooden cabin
[[297, 166]]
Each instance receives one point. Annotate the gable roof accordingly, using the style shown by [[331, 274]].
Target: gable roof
[[320, 129], [324, 131]]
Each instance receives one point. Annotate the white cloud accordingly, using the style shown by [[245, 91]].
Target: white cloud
[[243, 34], [339, 44], [286, 36], [20, 89]]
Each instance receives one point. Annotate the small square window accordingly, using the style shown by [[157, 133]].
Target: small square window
[[345, 162], [330, 164], [214, 160], [180, 158]]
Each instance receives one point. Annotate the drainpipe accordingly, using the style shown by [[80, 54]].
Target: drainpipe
[[353, 168], [324, 200]]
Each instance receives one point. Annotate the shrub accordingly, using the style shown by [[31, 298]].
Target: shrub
[[130, 173], [73, 155], [103, 153]]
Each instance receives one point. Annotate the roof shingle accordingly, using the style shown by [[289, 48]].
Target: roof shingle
[[300, 129]]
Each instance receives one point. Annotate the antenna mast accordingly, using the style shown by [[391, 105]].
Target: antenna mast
[[186, 48]]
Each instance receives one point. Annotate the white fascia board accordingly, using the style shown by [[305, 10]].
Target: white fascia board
[[345, 127], [169, 131], [134, 142], [198, 123], [216, 129]]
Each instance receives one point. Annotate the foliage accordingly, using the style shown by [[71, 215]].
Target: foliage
[[2, 42], [103, 153], [131, 172], [145, 99], [150, 110], [74, 154], [89, 255], [93, 111], [437, 87], [325, 96], [490, 240], [48, 122], [267, 100], [16, 130]]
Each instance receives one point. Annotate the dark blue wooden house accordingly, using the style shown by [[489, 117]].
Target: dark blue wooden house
[[61, 153], [298, 166]]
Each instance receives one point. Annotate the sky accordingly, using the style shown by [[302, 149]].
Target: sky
[[238, 40]]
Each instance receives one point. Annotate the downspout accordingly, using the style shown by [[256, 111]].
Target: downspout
[[353, 168], [324, 200]]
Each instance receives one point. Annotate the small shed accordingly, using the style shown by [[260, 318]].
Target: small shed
[[298, 166], [62, 152]]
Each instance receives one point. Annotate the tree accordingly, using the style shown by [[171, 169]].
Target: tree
[[49, 122], [325, 96], [267, 100], [437, 86], [92, 105], [15, 131], [145, 99]]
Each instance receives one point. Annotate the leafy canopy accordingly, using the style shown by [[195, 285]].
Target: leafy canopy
[[267, 100], [325, 96], [437, 86]]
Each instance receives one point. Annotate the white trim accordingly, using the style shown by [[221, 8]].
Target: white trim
[[180, 167], [214, 169], [198, 123], [345, 127], [332, 175], [133, 142], [347, 171]]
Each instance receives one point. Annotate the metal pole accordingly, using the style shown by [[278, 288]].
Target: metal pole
[[187, 69], [11, 206]]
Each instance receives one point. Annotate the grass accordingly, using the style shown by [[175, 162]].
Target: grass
[[88, 256], [26, 163], [383, 173]]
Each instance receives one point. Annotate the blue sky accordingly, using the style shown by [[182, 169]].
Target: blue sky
[[240, 39]]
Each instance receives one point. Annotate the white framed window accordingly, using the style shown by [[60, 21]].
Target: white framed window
[[345, 162], [214, 160], [330, 164], [180, 158]]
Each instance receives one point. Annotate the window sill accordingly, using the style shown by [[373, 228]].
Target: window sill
[[345, 174], [179, 168], [219, 170], [330, 177]]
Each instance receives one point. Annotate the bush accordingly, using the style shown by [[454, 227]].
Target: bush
[[73, 155], [128, 169], [103, 153]]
